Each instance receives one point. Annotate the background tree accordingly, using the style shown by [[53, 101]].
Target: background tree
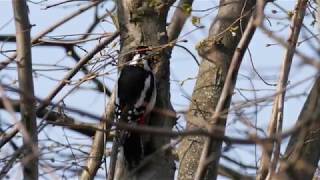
[[236, 124]]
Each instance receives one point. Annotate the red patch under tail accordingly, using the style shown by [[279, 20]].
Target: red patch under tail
[[141, 120]]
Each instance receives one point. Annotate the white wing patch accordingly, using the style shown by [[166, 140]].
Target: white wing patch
[[116, 90], [152, 100], [147, 84]]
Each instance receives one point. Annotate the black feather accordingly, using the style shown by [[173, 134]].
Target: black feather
[[131, 83]]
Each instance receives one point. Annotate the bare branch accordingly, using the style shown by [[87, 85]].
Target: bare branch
[[77, 67], [54, 118], [4, 171], [232, 174], [277, 112], [8, 136], [170, 133], [98, 145], [179, 18], [50, 29], [27, 103], [302, 155]]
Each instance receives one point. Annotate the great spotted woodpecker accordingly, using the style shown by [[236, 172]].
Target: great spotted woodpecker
[[135, 99]]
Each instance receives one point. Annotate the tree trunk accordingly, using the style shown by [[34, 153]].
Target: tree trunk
[[27, 101], [302, 154], [144, 23], [217, 51]]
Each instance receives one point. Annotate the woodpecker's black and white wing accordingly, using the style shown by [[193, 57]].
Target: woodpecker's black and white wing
[[135, 93], [135, 99]]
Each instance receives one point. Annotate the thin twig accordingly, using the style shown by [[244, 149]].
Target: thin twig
[[77, 67], [50, 29], [114, 154], [57, 4], [8, 136], [168, 132]]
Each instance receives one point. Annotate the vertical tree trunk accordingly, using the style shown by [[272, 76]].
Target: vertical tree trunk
[[217, 51], [27, 102], [144, 23], [302, 154]]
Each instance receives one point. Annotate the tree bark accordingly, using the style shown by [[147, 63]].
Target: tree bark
[[302, 154], [144, 23], [179, 18], [27, 101], [217, 51]]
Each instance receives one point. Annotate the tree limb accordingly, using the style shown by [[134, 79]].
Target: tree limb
[[77, 67], [277, 112], [55, 118], [98, 145], [302, 153], [27, 103], [232, 174], [180, 16], [50, 29]]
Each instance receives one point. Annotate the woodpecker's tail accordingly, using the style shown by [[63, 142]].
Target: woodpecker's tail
[[133, 149]]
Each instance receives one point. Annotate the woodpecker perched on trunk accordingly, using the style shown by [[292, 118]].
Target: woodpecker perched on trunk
[[135, 99]]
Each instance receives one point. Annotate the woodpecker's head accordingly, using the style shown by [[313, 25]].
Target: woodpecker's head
[[142, 57]]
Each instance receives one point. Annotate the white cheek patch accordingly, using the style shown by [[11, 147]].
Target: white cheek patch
[[135, 59]]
